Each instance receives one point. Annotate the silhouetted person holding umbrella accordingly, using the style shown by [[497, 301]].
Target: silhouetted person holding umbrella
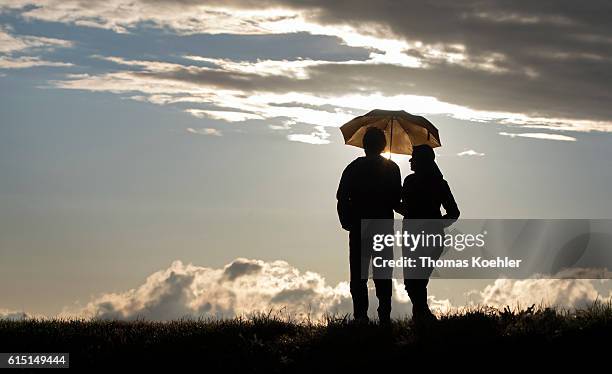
[[369, 188], [423, 193]]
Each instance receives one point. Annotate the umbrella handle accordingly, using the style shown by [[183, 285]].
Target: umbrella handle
[[391, 140]]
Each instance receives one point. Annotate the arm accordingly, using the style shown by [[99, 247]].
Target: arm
[[402, 206], [449, 204], [343, 195], [396, 194]]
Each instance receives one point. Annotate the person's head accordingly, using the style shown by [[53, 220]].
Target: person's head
[[423, 160], [374, 141]]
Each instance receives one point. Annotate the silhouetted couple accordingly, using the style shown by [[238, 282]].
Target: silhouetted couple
[[370, 188]]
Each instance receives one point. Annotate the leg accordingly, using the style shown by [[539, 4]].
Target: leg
[[358, 283], [417, 291], [384, 289], [413, 277], [384, 285], [418, 279]]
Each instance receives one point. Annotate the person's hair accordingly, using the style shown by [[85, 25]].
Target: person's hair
[[423, 152], [423, 157], [374, 140]]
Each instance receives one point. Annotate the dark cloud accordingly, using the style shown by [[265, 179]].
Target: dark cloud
[[292, 295], [240, 267], [529, 34], [582, 97], [543, 58]]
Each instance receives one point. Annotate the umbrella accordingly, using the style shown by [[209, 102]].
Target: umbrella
[[403, 130]]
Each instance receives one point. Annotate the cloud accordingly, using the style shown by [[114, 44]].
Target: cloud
[[470, 152], [539, 64], [10, 43], [13, 315], [241, 267], [28, 62], [185, 16], [242, 287], [296, 69], [13, 45], [312, 138], [246, 286], [566, 293], [204, 131], [318, 137], [224, 115], [244, 93], [537, 135]]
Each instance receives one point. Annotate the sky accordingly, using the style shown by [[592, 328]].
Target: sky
[[170, 157]]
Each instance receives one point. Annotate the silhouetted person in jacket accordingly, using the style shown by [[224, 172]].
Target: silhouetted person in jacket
[[423, 193], [369, 188]]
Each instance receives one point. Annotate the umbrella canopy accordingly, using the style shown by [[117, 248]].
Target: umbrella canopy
[[403, 130]]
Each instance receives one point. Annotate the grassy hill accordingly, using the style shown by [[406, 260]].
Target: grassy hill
[[268, 343]]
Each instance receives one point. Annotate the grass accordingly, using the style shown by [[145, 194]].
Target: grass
[[270, 343]]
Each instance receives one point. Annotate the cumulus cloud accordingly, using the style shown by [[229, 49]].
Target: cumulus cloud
[[538, 135], [242, 287], [246, 286], [470, 152], [565, 293]]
